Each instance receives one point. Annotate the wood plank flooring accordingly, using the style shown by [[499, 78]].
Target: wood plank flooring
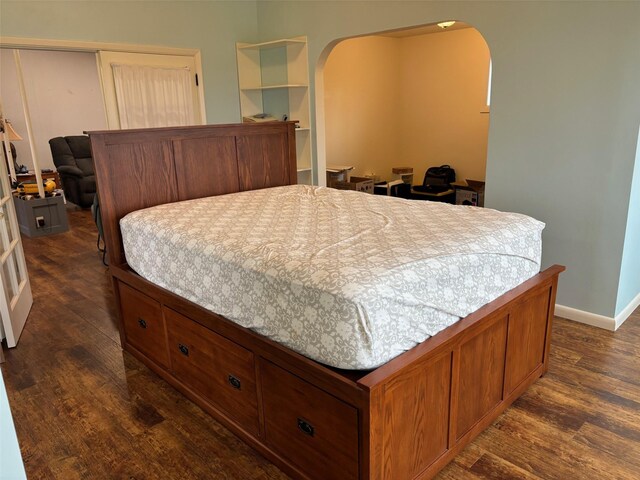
[[83, 409]]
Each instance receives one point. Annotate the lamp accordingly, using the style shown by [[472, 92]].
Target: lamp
[[447, 24], [11, 133]]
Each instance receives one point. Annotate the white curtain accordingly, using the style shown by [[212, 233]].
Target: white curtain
[[153, 96]]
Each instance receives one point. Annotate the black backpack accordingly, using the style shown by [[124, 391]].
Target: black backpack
[[437, 179]]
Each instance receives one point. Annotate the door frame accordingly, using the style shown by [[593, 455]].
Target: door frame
[[106, 60], [94, 47], [14, 309]]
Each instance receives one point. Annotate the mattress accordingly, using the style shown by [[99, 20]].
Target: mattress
[[348, 279]]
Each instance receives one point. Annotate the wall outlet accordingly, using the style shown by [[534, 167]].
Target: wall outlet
[[39, 222]]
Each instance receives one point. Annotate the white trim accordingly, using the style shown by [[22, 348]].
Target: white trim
[[27, 122], [200, 87], [595, 320], [627, 311], [102, 89], [273, 43], [81, 46], [95, 47], [588, 318]]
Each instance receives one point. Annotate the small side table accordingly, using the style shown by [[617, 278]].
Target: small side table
[[41, 216], [31, 177], [404, 173], [337, 174]]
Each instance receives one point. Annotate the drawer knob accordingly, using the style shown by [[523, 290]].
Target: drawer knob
[[183, 349], [142, 322], [234, 382], [305, 427]]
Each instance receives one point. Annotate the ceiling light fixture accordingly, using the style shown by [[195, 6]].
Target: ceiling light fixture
[[446, 24]]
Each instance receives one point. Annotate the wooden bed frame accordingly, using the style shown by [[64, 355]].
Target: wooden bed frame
[[406, 419]]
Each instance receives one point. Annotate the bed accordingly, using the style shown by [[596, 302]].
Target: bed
[[316, 413]]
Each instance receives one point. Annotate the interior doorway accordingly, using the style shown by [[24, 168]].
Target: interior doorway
[[146, 90], [416, 97], [63, 88], [64, 94], [73, 91]]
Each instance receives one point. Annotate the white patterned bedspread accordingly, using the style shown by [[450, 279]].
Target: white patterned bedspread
[[346, 278]]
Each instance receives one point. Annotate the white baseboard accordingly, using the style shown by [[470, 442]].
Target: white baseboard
[[595, 320], [627, 311]]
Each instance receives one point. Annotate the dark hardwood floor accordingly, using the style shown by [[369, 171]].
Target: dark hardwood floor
[[84, 409]]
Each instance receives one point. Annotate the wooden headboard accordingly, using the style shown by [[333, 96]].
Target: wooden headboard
[[141, 168]]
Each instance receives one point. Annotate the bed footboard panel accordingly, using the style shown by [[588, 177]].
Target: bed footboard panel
[[423, 412]]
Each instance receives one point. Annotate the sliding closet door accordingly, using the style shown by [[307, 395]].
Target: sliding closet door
[[144, 90]]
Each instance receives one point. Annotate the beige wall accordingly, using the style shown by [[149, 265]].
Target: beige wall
[[444, 83], [361, 101], [412, 101]]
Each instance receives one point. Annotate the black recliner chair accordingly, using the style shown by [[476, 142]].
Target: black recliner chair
[[72, 158]]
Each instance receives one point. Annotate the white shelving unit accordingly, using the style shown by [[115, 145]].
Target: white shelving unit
[[274, 78]]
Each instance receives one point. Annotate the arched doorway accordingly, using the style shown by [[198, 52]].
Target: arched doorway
[[416, 97]]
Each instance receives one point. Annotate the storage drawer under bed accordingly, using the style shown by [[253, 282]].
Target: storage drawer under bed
[[143, 324], [217, 368], [309, 427]]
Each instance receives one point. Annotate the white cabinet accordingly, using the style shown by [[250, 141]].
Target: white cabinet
[[274, 79]]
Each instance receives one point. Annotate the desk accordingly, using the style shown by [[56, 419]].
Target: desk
[[384, 188], [337, 174], [448, 196], [396, 188], [31, 177]]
